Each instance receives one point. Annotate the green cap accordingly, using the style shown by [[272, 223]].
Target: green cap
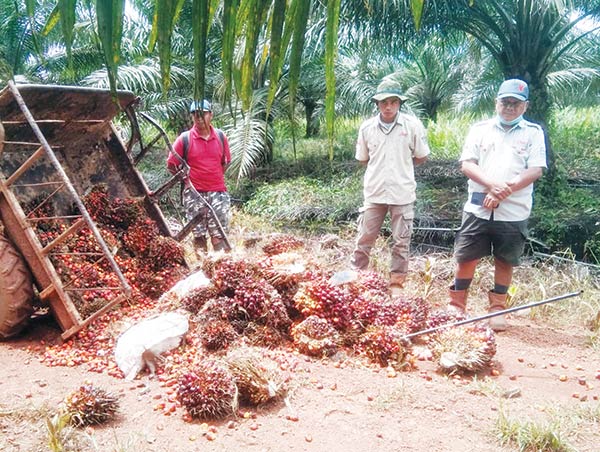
[[389, 88]]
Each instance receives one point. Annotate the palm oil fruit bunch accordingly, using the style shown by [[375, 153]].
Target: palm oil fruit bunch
[[227, 272], [466, 348], [217, 335], [282, 243], [257, 377], [384, 345], [114, 212], [283, 270], [260, 302], [315, 336], [195, 300], [90, 405], [208, 391], [368, 282], [407, 315], [442, 317], [139, 236], [318, 297], [264, 335], [165, 252]]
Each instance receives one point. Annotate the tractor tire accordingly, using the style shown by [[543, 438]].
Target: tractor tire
[[16, 290]]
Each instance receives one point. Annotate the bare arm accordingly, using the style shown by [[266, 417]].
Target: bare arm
[[419, 160], [527, 177]]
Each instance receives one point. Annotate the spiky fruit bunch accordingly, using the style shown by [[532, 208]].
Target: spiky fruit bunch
[[264, 335], [116, 212], [208, 391], [258, 301], [97, 203], [197, 298], [139, 236], [165, 252], [258, 377], [154, 283], [406, 315], [90, 405], [227, 272], [443, 317], [384, 345], [466, 348], [221, 308], [217, 335], [282, 243], [314, 336], [368, 282], [318, 297], [283, 270], [365, 309], [124, 212]]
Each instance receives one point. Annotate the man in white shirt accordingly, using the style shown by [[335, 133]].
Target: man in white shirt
[[502, 157], [389, 144]]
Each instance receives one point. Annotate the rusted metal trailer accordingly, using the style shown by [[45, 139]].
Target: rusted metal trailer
[[56, 143]]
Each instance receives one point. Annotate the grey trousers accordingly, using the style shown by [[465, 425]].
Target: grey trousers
[[369, 226]]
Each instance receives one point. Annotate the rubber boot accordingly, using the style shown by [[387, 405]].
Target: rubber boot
[[397, 283], [497, 303], [458, 300]]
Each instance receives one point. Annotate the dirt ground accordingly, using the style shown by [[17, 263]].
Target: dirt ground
[[336, 404]]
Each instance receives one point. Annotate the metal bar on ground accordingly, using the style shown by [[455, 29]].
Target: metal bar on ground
[[493, 314]]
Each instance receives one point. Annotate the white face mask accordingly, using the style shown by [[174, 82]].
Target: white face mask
[[515, 121]]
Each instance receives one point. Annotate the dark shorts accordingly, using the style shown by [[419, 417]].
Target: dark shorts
[[477, 238]]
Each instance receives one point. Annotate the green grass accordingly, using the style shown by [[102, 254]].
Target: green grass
[[556, 433], [305, 201], [530, 436]]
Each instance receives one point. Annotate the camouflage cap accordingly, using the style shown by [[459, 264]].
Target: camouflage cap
[[389, 88]]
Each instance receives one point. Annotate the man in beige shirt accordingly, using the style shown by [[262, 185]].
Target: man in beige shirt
[[390, 144]]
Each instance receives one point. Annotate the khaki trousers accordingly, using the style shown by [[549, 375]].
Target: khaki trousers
[[369, 226]]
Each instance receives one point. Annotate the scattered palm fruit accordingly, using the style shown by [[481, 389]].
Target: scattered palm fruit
[[90, 405], [464, 348], [314, 336], [208, 391]]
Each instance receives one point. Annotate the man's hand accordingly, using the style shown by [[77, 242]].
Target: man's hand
[[500, 190], [490, 201]]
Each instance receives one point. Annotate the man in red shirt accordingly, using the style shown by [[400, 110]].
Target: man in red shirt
[[206, 151]]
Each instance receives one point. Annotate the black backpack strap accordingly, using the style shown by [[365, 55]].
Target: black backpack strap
[[221, 136], [185, 137]]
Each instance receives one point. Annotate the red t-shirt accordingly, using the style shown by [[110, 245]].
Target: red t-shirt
[[206, 158]]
